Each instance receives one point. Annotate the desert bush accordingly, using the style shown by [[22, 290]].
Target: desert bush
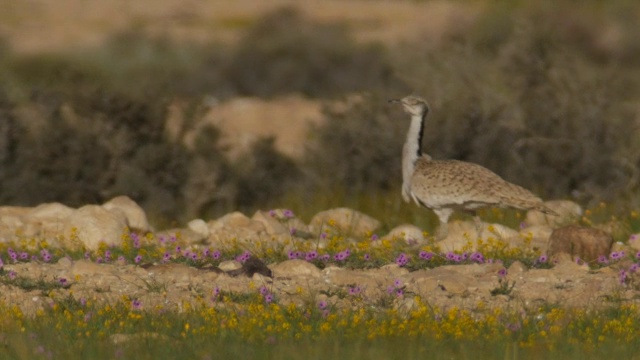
[[358, 147], [286, 52], [264, 175]]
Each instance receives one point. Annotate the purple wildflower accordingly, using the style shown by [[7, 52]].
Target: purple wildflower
[[367, 257], [325, 257], [166, 257], [243, 257], [99, 260], [12, 275], [13, 255], [399, 292], [107, 256], [264, 291], [206, 252], [543, 259], [397, 283], [136, 240], [268, 298], [323, 236], [402, 259], [390, 289], [136, 304], [616, 255], [178, 250], [287, 213], [354, 290], [622, 276], [216, 255], [374, 237], [451, 256], [477, 257], [63, 282], [87, 255], [322, 305], [122, 259], [502, 272], [311, 255], [24, 255], [194, 256], [424, 255], [138, 258], [46, 256], [602, 260], [292, 231], [633, 268], [292, 255]]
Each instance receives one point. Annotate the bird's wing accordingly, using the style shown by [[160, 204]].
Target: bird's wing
[[450, 182]]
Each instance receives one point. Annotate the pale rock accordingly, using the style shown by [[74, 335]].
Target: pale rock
[[440, 280], [135, 215], [634, 241], [393, 270], [567, 212], [230, 265], [272, 225], [90, 269], [95, 224], [411, 234], [200, 227], [516, 268], [12, 220], [296, 267], [47, 221], [464, 234], [235, 226], [566, 264], [349, 221], [65, 262], [277, 222], [586, 243], [51, 212], [186, 235]]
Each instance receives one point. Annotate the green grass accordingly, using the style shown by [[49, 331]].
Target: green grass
[[259, 331]]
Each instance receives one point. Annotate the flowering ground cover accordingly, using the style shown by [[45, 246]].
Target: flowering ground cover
[[261, 322]]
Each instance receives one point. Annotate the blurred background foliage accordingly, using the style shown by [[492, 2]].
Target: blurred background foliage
[[528, 91]]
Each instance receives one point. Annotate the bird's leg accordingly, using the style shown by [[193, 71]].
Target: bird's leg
[[443, 229], [442, 232], [479, 225]]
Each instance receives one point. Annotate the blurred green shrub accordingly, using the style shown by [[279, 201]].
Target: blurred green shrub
[[286, 52], [358, 147]]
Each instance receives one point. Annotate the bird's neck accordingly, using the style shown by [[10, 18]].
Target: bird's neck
[[412, 149]]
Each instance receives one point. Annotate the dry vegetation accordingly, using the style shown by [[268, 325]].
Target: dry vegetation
[[547, 96]]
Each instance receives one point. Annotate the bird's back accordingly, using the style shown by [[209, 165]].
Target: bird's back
[[456, 184]]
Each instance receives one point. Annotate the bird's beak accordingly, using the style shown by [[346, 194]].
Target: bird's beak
[[393, 101]]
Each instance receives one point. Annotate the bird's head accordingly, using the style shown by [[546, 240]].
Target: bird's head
[[413, 105]]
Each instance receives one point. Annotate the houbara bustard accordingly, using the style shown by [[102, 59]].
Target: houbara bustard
[[448, 185]]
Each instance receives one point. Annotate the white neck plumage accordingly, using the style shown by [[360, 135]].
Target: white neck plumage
[[411, 152]]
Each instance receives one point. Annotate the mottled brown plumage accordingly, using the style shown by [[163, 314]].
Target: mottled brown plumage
[[448, 185]]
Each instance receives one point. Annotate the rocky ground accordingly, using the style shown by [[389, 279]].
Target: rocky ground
[[566, 278]]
